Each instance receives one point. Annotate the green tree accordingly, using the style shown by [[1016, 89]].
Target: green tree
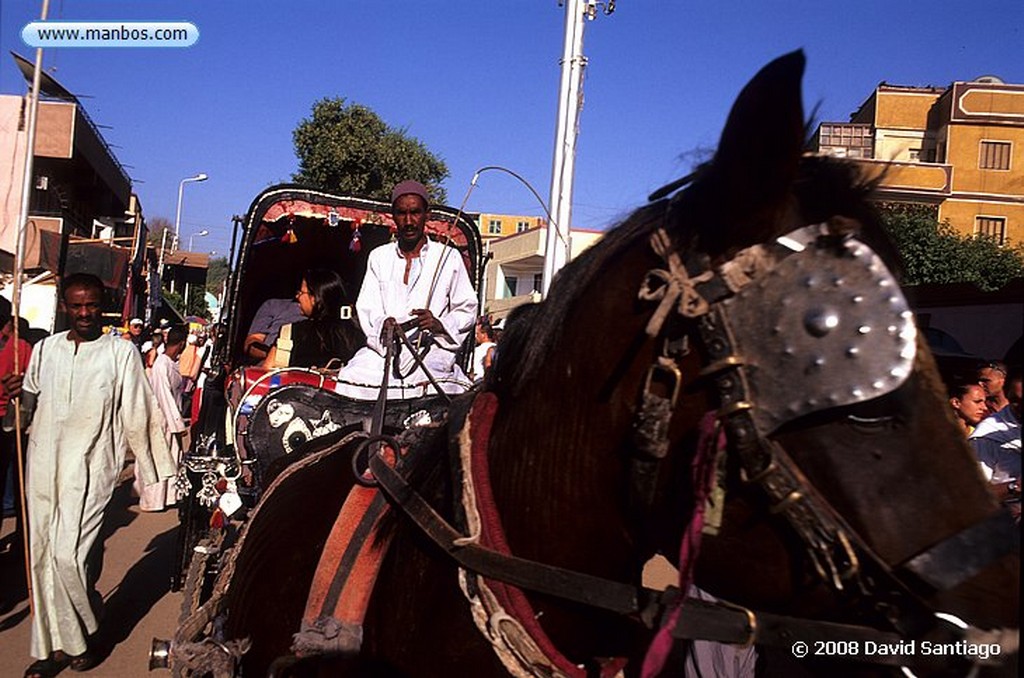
[[216, 273], [347, 148], [155, 229], [935, 252], [196, 302]]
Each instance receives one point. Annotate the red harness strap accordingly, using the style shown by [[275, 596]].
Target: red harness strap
[[492, 536], [344, 579]]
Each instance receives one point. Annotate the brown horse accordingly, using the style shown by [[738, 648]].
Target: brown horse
[[562, 451]]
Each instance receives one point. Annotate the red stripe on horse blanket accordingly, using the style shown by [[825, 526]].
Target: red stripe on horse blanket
[[492, 536]]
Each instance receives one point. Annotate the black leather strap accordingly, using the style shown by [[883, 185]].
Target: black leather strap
[[527, 574], [966, 553]]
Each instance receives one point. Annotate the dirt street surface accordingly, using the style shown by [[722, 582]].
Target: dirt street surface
[[135, 585]]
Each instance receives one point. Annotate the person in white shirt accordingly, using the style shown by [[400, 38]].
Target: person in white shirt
[[166, 382], [422, 285], [483, 354]]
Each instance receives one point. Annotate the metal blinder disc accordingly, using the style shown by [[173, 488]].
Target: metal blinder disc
[[828, 326]]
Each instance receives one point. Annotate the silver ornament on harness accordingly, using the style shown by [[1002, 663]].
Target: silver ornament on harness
[[827, 326]]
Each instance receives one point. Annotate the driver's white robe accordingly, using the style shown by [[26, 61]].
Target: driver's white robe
[[94, 403], [437, 280]]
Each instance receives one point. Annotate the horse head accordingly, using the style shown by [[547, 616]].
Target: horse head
[[882, 469]]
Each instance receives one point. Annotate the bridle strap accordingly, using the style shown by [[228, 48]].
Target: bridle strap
[[966, 553], [839, 555], [528, 574]]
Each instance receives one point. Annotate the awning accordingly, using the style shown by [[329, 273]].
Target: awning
[[108, 263]]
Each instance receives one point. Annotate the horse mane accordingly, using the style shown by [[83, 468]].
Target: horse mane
[[825, 188]]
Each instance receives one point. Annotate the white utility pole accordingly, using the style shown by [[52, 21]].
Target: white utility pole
[[27, 180], [570, 102]]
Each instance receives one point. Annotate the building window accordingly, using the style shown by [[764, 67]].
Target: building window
[[494, 227], [511, 284], [992, 227], [853, 140], [995, 155], [522, 226], [538, 282]]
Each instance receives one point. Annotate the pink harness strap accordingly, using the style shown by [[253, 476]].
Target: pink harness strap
[[703, 473]]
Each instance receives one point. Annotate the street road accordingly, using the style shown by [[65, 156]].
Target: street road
[[135, 585]]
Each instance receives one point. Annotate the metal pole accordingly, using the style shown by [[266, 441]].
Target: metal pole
[[163, 245], [570, 94], [19, 269], [177, 214]]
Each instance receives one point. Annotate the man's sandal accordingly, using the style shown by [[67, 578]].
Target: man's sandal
[[47, 668], [84, 662]]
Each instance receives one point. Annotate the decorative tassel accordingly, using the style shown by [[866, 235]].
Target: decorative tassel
[[289, 237], [355, 245], [218, 519]]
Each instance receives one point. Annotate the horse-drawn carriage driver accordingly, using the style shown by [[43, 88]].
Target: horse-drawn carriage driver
[[423, 286]]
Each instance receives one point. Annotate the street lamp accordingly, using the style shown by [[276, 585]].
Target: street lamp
[[200, 234], [177, 216]]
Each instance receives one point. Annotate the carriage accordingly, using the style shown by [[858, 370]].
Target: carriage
[[249, 421], [730, 378]]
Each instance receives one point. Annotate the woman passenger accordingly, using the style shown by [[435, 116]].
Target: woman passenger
[[324, 335]]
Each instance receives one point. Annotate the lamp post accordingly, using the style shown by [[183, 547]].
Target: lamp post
[[177, 216], [200, 234]]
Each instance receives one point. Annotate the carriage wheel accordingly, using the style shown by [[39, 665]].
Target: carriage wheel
[[198, 585], [194, 526]]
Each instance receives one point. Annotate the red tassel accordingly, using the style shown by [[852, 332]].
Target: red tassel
[[217, 520], [222, 485]]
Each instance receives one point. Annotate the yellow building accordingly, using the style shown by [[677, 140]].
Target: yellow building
[[960, 148], [501, 225]]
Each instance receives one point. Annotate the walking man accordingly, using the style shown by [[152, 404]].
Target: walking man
[[93, 402]]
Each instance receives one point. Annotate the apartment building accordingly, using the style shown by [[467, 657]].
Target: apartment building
[[83, 215], [514, 274], [502, 225], [959, 148]]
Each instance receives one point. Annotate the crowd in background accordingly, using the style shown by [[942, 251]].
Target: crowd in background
[[988, 409]]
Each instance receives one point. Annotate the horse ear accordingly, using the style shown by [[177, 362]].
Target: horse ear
[[759, 154]]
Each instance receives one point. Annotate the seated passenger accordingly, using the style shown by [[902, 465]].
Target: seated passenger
[[322, 335], [273, 314], [422, 285]]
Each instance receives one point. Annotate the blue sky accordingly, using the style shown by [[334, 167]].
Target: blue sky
[[477, 82]]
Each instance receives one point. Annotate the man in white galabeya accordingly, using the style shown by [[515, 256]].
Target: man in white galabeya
[[423, 286], [92, 404]]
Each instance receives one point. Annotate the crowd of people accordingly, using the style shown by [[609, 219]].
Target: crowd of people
[[988, 410]]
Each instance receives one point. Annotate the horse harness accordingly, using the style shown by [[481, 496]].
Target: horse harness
[[750, 352], [840, 275]]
